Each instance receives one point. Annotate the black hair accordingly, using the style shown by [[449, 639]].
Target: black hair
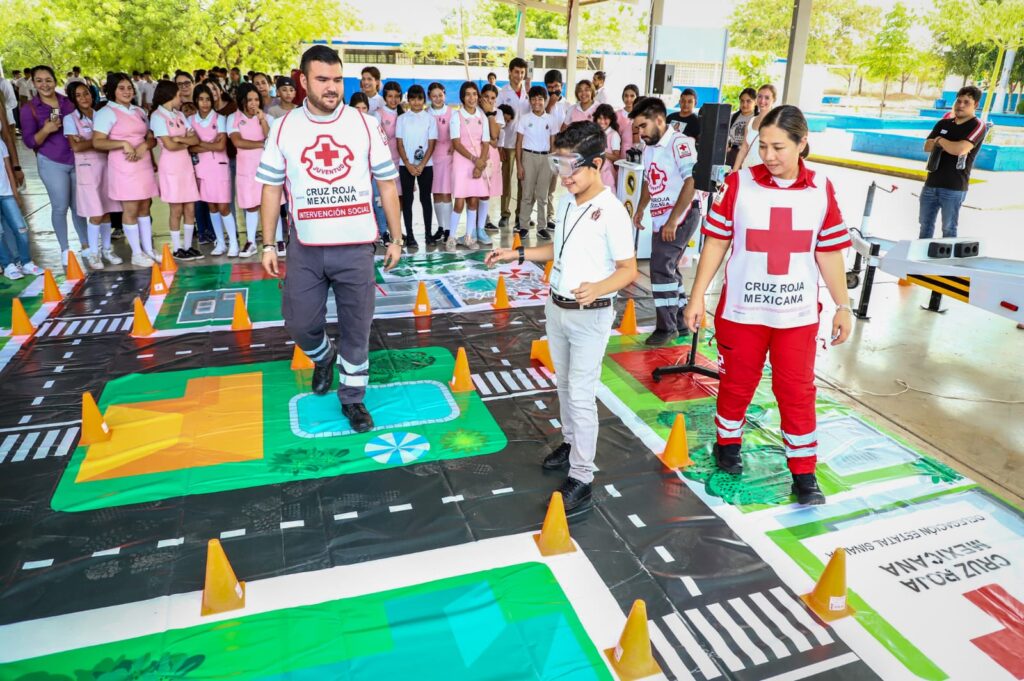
[[136, 73], [634, 88], [538, 91], [357, 98], [434, 86], [608, 112], [467, 86], [518, 63], [372, 70], [585, 138], [165, 91], [749, 92], [416, 91], [147, 73], [492, 73], [113, 80], [76, 68], [393, 86], [43, 67], [689, 92], [648, 107], [791, 121], [203, 89], [320, 53], [553, 76], [285, 81], [72, 93], [243, 93], [970, 91], [601, 75], [188, 75], [507, 110], [489, 88]]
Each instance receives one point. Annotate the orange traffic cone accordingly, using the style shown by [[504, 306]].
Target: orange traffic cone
[[627, 327], [51, 292], [501, 295], [21, 325], [677, 453], [422, 307], [222, 591], [828, 599], [547, 271], [516, 241], [240, 319], [300, 360], [94, 428], [903, 282], [632, 658], [157, 285], [141, 326], [554, 533], [167, 263], [704, 323], [540, 351], [74, 270], [461, 381]]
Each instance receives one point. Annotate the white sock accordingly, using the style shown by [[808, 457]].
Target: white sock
[[218, 228], [94, 238], [440, 209], [456, 225], [131, 232], [146, 234], [481, 219], [105, 230], [471, 222], [175, 241], [232, 230], [252, 218], [278, 236], [189, 231]]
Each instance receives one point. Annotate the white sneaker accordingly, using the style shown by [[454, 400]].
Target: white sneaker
[[233, 251], [13, 272], [152, 257], [32, 269], [64, 259], [449, 245], [94, 260], [248, 251], [469, 242], [140, 259], [111, 257], [219, 249]]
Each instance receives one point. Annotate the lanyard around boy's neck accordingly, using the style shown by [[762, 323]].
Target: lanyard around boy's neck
[[568, 234]]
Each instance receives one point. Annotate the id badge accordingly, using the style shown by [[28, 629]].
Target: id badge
[[556, 277]]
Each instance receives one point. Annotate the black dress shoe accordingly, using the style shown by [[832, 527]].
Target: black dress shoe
[[503, 222], [551, 226], [574, 493], [728, 458], [523, 233], [559, 458], [358, 416], [661, 336], [491, 227], [805, 487], [410, 242], [323, 373]]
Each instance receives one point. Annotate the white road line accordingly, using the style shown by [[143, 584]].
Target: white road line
[[487, 326], [106, 552], [289, 342], [44, 447], [72, 326], [58, 369], [257, 345], [394, 333], [146, 355], [555, 423], [665, 555], [454, 328], [676, 625], [797, 609], [540, 380], [68, 355], [712, 636], [506, 363], [65, 444], [127, 323], [779, 620], [452, 500], [779, 648], [481, 384], [523, 378], [547, 373], [667, 652], [44, 425], [230, 534], [6, 445], [738, 635], [110, 293], [422, 330], [77, 341], [289, 524], [511, 382], [36, 564], [56, 328], [47, 385], [539, 404], [101, 324], [495, 383], [183, 352], [37, 401], [691, 586], [26, 446], [503, 490], [88, 325], [350, 515], [220, 349], [400, 507], [24, 419], [165, 543], [102, 302], [612, 492], [494, 349], [635, 519], [816, 668]]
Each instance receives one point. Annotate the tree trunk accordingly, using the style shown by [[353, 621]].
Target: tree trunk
[[860, 85], [885, 89]]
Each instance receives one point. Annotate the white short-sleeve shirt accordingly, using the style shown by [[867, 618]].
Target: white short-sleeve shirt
[[376, 102], [69, 125], [589, 239], [416, 130], [5, 182], [158, 121], [520, 103], [455, 128], [105, 119], [536, 131]]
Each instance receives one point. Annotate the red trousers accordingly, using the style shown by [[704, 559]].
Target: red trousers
[[742, 349]]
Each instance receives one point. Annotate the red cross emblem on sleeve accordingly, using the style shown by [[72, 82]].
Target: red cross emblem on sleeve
[[779, 241], [326, 160]]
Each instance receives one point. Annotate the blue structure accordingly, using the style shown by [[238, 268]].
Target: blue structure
[[1010, 120], [911, 146]]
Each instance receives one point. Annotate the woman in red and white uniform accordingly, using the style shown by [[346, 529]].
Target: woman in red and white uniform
[[785, 229]]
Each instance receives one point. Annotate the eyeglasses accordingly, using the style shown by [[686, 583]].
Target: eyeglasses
[[184, 83], [566, 166]]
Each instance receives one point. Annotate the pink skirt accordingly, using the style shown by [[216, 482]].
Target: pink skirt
[[464, 185], [130, 180], [91, 197], [177, 184], [216, 189], [495, 186], [442, 160]]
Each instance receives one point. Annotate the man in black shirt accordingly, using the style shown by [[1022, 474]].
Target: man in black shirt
[[686, 119], [953, 143]]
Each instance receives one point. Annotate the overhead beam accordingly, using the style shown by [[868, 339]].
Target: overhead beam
[[573, 10]]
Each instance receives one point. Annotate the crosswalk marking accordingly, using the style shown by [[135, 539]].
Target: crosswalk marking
[[668, 653], [65, 444], [481, 385], [84, 326], [738, 635], [349, 515], [45, 445], [73, 327], [89, 323], [816, 668], [676, 625], [101, 324], [691, 586], [495, 383], [711, 635], [26, 446], [780, 621], [21, 445], [758, 627], [6, 445], [538, 378], [503, 384], [801, 616]]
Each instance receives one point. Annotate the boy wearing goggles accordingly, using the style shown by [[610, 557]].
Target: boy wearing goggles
[[593, 256]]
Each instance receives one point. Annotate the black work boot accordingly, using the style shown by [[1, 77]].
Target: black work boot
[[323, 372], [728, 458], [574, 493], [558, 458], [661, 336], [805, 487], [358, 416]]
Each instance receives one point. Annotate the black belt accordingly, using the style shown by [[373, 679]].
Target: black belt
[[539, 153], [571, 304]]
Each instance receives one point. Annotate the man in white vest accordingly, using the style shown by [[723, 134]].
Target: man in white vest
[[323, 155]]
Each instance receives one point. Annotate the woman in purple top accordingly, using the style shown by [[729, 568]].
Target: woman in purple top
[[42, 130]]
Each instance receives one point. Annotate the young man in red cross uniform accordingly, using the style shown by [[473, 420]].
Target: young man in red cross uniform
[[785, 228]]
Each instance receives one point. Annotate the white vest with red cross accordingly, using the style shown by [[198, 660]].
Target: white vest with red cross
[[667, 164]]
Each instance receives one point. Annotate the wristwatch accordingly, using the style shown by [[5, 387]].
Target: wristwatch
[[522, 254], [844, 307], [269, 247], [400, 241]]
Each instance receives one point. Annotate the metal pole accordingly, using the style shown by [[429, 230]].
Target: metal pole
[[799, 31], [657, 17], [521, 32]]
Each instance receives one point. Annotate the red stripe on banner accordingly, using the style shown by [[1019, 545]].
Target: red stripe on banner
[[1004, 647]]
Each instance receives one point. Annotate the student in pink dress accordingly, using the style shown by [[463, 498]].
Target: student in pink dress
[[92, 201], [122, 129], [213, 169], [605, 117], [248, 129], [175, 174], [442, 187], [630, 94], [495, 122], [585, 104], [471, 167], [388, 117]]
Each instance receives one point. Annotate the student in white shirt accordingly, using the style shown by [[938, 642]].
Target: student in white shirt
[[495, 185], [558, 106], [416, 134], [513, 94], [601, 95], [593, 259], [535, 133]]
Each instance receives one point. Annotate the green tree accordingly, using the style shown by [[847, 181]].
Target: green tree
[[964, 59], [889, 53]]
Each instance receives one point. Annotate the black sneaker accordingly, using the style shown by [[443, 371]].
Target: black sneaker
[[558, 458], [439, 235], [491, 227], [206, 240], [523, 232], [503, 222], [574, 493], [181, 254], [661, 336], [410, 242], [195, 253], [323, 373], [728, 458], [543, 234], [116, 234], [805, 487], [358, 417], [551, 226]]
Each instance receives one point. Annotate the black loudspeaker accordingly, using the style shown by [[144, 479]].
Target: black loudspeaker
[[714, 136], [662, 79]]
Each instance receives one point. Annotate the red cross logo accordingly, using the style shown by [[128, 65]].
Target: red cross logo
[[326, 160], [779, 241], [656, 179]]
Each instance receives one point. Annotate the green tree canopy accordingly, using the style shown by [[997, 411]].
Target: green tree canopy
[[889, 53]]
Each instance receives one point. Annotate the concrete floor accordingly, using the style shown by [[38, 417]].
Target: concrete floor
[[962, 365]]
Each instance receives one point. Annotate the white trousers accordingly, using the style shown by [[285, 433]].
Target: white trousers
[[577, 340]]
